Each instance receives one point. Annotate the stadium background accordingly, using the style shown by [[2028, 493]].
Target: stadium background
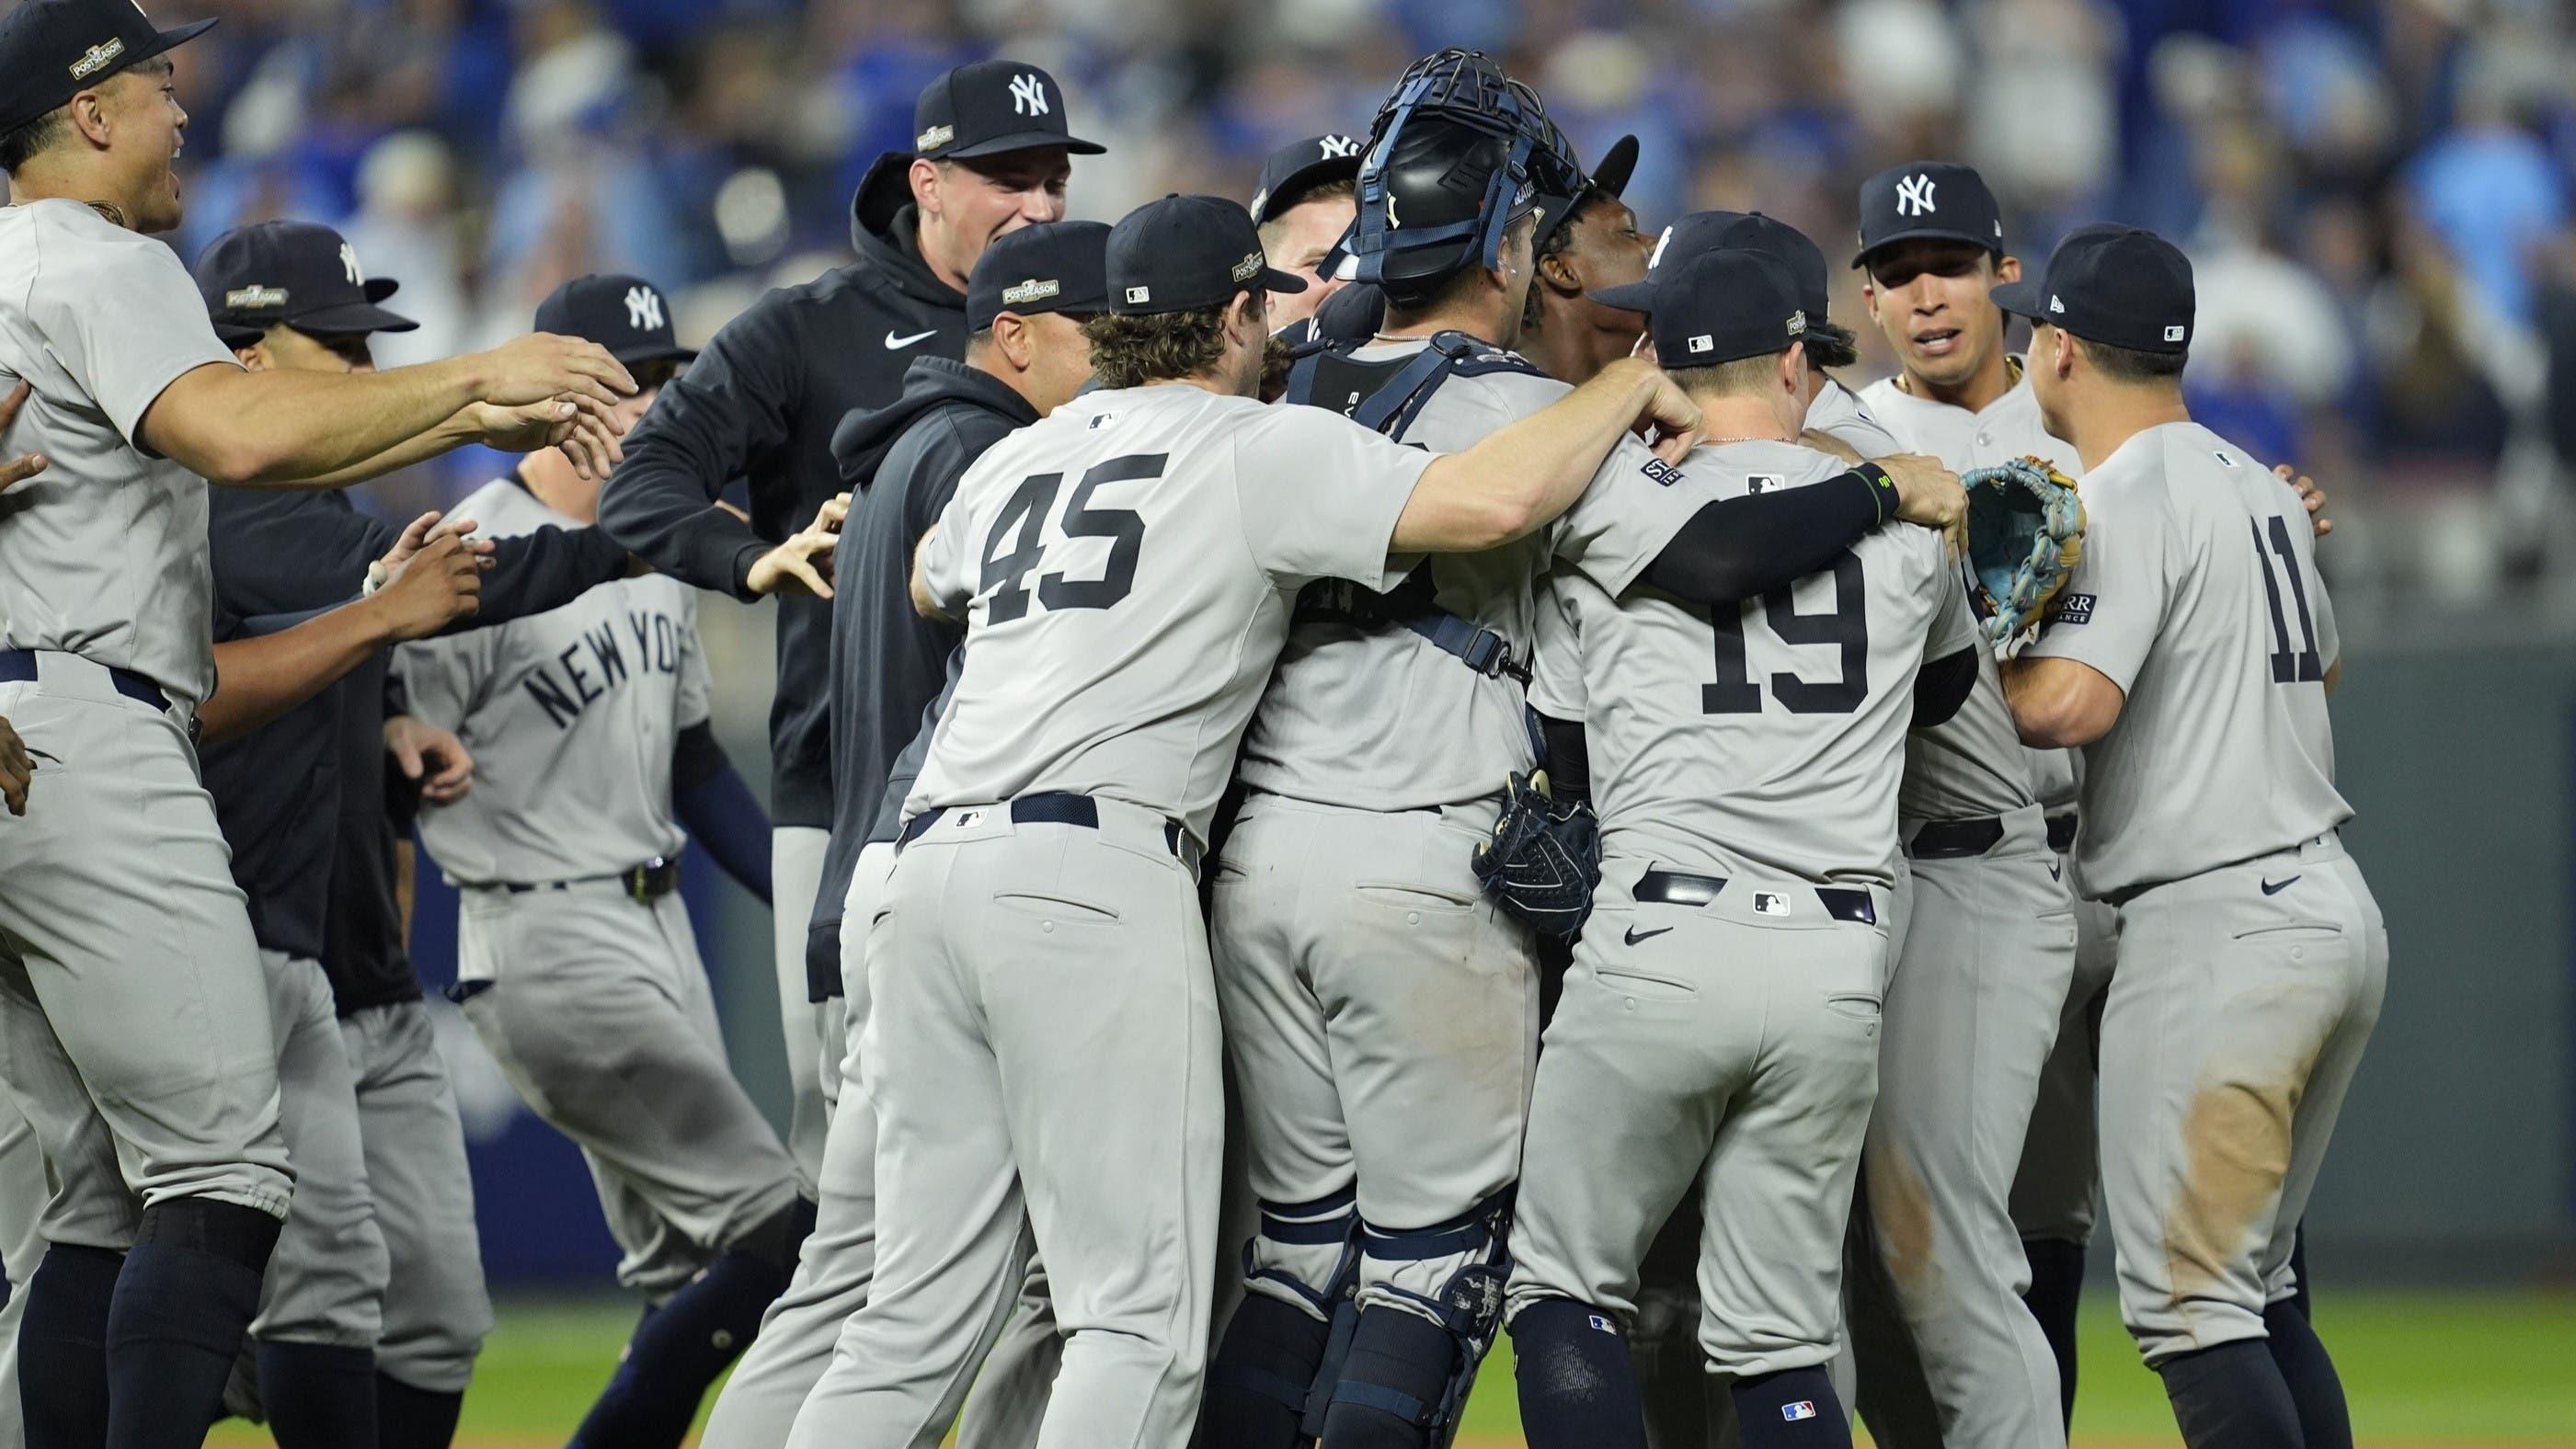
[[2377, 201]]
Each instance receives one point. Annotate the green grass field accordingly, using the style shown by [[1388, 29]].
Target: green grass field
[[2424, 1370]]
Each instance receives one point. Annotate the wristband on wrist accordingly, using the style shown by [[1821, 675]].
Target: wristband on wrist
[[1882, 487]]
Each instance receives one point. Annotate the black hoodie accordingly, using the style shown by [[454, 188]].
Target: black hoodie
[[761, 402], [888, 662]]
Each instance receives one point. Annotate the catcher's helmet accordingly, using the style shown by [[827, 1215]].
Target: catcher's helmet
[[1458, 152]]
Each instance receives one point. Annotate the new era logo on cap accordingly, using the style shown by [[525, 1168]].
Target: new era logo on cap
[[2055, 305], [1032, 290]]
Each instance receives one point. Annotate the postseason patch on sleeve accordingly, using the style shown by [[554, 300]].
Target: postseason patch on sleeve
[[2071, 609]]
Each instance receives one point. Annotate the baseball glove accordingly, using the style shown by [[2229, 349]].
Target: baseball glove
[[2025, 533], [1544, 859]]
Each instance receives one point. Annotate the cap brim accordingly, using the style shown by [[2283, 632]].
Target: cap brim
[[653, 352], [1290, 189], [1271, 279], [352, 317], [1628, 297], [1023, 141], [2025, 298], [1617, 165], [1925, 233], [379, 288], [172, 38]]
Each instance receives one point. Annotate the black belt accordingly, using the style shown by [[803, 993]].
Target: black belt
[[18, 666], [1956, 839], [644, 884], [1056, 808], [1674, 888], [2061, 832]]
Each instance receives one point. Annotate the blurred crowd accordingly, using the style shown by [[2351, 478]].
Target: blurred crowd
[[2376, 196]]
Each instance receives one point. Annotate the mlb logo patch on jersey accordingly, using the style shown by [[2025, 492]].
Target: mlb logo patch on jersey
[[1662, 472], [1770, 903], [1603, 1323], [1803, 1409], [2223, 458], [1102, 420], [969, 819], [2072, 609], [1761, 482]]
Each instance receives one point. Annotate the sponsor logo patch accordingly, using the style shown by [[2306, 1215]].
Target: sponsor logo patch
[[1703, 343], [1761, 482], [1770, 903], [934, 138], [1140, 294], [252, 299], [1033, 290], [1662, 472], [1803, 1409], [1603, 1323], [2174, 333], [1248, 268], [2072, 609]]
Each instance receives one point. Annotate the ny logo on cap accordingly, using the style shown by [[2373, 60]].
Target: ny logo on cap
[[349, 265], [643, 309], [1340, 146], [1028, 94], [1914, 196], [1661, 242]]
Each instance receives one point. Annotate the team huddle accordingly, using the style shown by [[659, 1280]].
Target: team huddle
[[1350, 774]]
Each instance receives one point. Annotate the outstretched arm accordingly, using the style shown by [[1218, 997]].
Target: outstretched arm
[[717, 808]]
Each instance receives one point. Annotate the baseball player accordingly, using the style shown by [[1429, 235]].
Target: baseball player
[[1774, 885], [577, 966], [2189, 659], [991, 154], [1027, 299], [1586, 241], [301, 802], [1303, 205], [1382, 1015], [131, 992], [1043, 1026], [1932, 248]]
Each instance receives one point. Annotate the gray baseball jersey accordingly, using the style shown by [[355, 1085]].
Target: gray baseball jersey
[[2198, 595], [1378, 718], [1202, 516], [105, 552], [1962, 768], [1671, 689], [582, 702]]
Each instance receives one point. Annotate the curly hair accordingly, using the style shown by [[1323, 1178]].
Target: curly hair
[[1132, 351]]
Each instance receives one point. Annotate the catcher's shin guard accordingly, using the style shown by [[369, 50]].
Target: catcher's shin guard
[[1410, 1367]]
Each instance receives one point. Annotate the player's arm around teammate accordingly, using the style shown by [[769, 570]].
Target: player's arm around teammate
[[2189, 658]]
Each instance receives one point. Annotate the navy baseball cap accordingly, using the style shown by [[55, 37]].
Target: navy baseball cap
[[52, 50], [991, 107], [1054, 266], [1297, 168], [1928, 200], [1706, 231], [1610, 178], [295, 272], [1184, 253], [2117, 285], [624, 314], [1718, 306]]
